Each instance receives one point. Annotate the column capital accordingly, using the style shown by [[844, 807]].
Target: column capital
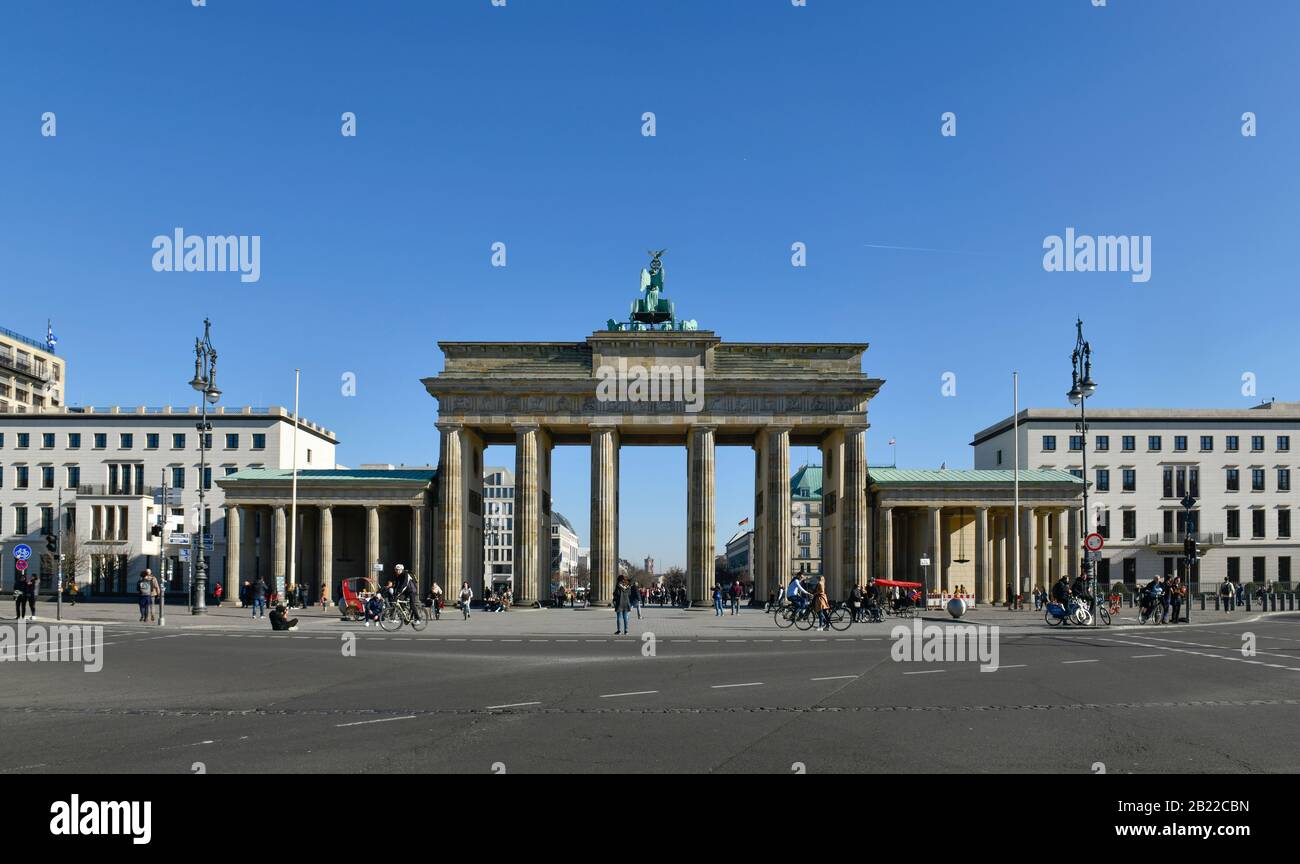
[[702, 428], [525, 427], [448, 426]]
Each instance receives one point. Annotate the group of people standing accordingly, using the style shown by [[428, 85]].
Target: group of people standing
[[727, 594], [25, 595]]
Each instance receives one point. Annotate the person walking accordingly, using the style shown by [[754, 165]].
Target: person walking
[[1176, 599], [258, 592], [717, 599], [622, 602], [145, 588], [466, 598], [1225, 592], [217, 592], [821, 604], [20, 597], [634, 595], [736, 590]]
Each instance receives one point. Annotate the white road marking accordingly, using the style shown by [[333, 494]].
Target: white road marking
[[633, 693], [1012, 666], [1145, 656], [832, 677], [512, 705], [1068, 662], [925, 672], [749, 684], [380, 720]]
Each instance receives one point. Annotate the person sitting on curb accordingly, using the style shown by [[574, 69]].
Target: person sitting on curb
[[278, 620]]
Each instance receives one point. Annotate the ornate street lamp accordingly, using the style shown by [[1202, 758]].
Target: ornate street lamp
[[205, 382], [1081, 387]]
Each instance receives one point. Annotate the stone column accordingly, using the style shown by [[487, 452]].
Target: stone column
[[528, 534], [372, 543], [983, 584], [604, 512], [701, 512], [1073, 543], [326, 586], [777, 558], [999, 592], [417, 548], [1028, 550], [887, 540], [934, 549], [1041, 545], [451, 511], [853, 516], [758, 546], [233, 549], [278, 539], [544, 565], [1058, 544]]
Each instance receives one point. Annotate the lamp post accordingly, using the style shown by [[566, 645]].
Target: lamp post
[[1081, 387], [205, 382]]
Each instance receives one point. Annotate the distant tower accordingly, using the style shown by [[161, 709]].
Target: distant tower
[[650, 567]]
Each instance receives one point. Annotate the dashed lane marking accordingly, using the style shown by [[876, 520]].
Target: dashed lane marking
[[380, 720], [747, 684], [512, 705], [633, 693], [832, 677]]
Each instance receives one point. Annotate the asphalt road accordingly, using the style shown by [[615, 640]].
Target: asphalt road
[[744, 699]]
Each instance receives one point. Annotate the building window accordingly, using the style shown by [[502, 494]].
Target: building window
[[24, 440], [1103, 443], [259, 441], [207, 477], [229, 469], [1153, 443], [1234, 524], [999, 457], [1130, 479], [178, 477], [1234, 569], [1194, 481], [1233, 479], [1049, 443], [1103, 571], [1077, 472], [1284, 568], [1130, 571], [1232, 443], [1076, 443], [20, 478], [1207, 442], [1128, 443], [1257, 524], [178, 441], [1257, 443], [308, 455], [232, 440], [47, 440], [1284, 479], [1283, 443], [47, 476], [1168, 482], [1103, 479], [20, 520], [151, 441], [74, 440], [1130, 524], [1103, 524], [1284, 524], [1256, 479], [74, 476], [100, 440], [1180, 443], [126, 441], [1257, 568], [47, 520]]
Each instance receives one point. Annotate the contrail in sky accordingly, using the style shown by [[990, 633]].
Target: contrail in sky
[[922, 249]]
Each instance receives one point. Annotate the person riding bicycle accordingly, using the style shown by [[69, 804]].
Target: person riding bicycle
[[406, 586], [1061, 591], [795, 593], [872, 599], [1151, 594]]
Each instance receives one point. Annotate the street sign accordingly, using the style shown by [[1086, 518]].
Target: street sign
[[22, 552], [185, 555], [925, 562], [177, 539], [207, 543], [1094, 542], [1094, 556], [21, 564]]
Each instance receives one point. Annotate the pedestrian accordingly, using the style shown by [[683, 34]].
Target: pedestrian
[[1176, 599], [324, 597], [1241, 595], [736, 591], [31, 596], [466, 598], [145, 588], [246, 594], [634, 594], [1166, 598], [821, 605], [717, 599], [622, 602], [1225, 592], [217, 592], [258, 591], [20, 598]]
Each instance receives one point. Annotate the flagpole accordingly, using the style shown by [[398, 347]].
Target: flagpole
[[293, 500], [1015, 474]]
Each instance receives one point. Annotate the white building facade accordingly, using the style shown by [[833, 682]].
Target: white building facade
[[564, 550], [498, 527], [113, 471], [1237, 463]]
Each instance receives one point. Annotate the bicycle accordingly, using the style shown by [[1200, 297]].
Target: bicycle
[[399, 612]]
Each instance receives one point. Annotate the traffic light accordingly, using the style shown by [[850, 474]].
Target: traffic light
[[1189, 548], [52, 543], [156, 531]]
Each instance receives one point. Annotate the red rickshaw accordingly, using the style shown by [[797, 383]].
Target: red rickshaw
[[910, 599], [356, 590]]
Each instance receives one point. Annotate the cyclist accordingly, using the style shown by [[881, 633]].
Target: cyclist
[[1151, 595], [406, 587], [795, 593], [1061, 592]]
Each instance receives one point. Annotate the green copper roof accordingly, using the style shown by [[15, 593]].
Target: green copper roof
[[557, 516], [333, 475], [960, 477], [807, 482]]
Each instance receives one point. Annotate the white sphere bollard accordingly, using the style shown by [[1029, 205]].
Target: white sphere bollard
[[956, 607]]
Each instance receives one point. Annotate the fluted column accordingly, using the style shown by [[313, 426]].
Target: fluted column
[[326, 552], [604, 512], [528, 533], [372, 543], [983, 584], [1042, 544], [1029, 550], [758, 545], [777, 503], [701, 512], [280, 549], [417, 548], [887, 539], [853, 516], [233, 550], [1058, 544], [934, 549], [1073, 543], [451, 510], [1000, 566]]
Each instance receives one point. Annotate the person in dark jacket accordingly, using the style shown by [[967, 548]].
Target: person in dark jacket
[[20, 597], [622, 602], [258, 593], [280, 622]]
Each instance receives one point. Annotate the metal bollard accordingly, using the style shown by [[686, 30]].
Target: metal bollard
[[1202, 602], [1216, 602], [1272, 602], [1247, 601]]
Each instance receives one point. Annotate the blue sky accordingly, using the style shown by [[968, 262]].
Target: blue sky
[[775, 125]]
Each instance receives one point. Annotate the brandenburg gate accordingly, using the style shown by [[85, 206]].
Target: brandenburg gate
[[653, 380]]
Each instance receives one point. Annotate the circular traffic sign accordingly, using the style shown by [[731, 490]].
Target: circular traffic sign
[[1094, 542], [21, 564], [22, 551]]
